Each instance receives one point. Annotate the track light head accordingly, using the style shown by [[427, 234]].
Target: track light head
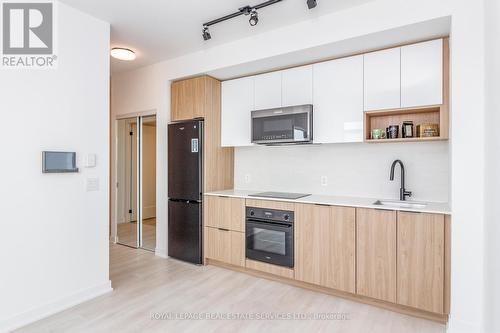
[[254, 17], [206, 33], [311, 4]]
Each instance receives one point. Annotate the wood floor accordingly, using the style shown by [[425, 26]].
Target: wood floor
[[144, 285], [127, 233]]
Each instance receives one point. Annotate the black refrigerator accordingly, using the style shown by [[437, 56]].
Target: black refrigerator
[[185, 187]]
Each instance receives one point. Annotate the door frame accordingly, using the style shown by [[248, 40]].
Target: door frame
[[114, 177]]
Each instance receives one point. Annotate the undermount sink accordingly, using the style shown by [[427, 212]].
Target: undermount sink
[[400, 204]]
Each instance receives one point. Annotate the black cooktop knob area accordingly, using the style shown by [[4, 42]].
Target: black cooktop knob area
[[286, 217], [252, 213]]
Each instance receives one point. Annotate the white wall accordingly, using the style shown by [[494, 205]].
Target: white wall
[[54, 247], [144, 91], [148, 88], [122, 176], [468, 163], [360, 170], [492, 228]]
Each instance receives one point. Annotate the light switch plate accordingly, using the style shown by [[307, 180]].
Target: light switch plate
[[90, 161], [248, 178], [324, 181], [92, 184]]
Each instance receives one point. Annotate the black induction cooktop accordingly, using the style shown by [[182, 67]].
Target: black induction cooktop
[[279, 195]]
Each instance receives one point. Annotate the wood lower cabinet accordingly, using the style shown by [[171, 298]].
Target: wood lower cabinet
[[224, 212], [376, 254], [225, 246], [238, 248], [224, 220], [420, 261], [218, 244], [325, 246], [390, 257]]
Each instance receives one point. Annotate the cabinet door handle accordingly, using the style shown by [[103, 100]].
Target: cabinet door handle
[[222, 229]]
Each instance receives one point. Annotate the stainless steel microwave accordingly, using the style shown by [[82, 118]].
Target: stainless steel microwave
[[293, 124]]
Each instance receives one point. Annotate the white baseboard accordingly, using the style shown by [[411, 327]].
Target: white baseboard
[[161, 253], [49, 309]]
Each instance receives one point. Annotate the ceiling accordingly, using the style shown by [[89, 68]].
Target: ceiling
[[160, 30]]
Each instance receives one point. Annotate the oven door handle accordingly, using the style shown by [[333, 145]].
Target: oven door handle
[[271, 225]]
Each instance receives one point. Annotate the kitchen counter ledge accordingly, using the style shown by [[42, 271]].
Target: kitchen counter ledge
[[432, 207]]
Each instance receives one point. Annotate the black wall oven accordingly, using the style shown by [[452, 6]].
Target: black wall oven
[[269, 236]]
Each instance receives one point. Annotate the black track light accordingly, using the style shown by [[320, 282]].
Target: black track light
[[246, 10], [311, 4], [254, 17], [206, 33]]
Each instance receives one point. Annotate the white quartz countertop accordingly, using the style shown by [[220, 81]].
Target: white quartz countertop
[[431, 207]]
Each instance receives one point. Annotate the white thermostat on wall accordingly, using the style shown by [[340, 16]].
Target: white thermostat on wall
[[90, 161]]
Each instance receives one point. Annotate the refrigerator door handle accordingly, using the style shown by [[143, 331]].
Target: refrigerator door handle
[[200, 158]]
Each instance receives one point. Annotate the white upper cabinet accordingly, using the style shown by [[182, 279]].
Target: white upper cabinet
[[339, 90], [297, 86], [382, 79], [338, 100], [268, 91], [422, 74], [237, 103]]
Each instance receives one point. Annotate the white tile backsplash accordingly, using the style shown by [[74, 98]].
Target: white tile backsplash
[[356, 169]]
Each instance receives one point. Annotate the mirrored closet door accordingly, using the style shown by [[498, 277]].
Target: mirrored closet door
[[136, 182]]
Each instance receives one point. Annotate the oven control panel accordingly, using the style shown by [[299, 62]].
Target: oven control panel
[[270, 214]]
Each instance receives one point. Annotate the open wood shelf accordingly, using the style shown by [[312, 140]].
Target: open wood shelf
[[437, 114], [435, 138]]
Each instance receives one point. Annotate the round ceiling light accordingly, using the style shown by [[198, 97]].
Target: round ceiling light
[[123, 54]]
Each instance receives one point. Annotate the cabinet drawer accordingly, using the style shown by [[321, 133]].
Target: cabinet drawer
[[218, 244], [225, 246], [224, 212]]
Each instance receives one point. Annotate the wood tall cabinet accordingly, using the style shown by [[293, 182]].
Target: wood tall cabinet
[[201, 98], [420, 261], [325, 246], [376, 254]]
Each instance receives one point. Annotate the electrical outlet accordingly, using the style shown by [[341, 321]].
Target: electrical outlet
[[248, 178], [324, 181]]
